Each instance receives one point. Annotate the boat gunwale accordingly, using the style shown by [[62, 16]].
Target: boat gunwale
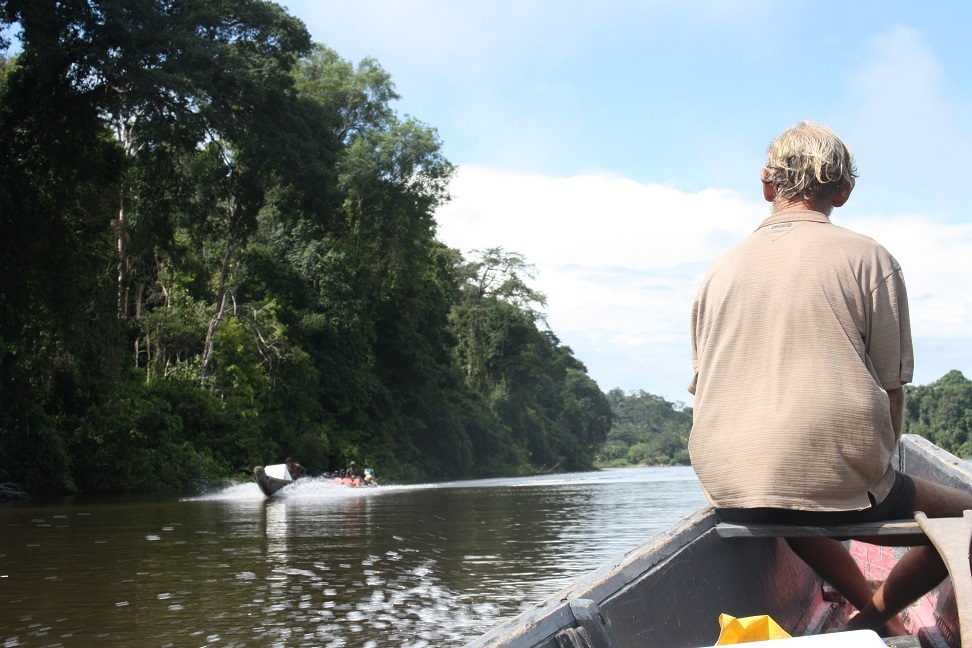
[[542, 622]]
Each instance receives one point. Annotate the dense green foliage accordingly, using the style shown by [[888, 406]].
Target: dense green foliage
[[942, 412], [647, 430], [219, 248]]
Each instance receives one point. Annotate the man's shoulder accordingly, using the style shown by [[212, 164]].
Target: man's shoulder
[[847, 233], [855, 242], [806, 247]]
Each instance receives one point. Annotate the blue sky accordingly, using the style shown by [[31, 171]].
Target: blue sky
[[617, 145]]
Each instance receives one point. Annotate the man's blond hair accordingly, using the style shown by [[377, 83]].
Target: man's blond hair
[[809, 161]]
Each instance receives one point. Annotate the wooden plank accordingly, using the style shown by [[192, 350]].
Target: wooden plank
[[888, 528], [951, 537]]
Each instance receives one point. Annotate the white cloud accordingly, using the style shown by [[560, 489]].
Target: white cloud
[[599, 221], [908, 132], [620, 262]]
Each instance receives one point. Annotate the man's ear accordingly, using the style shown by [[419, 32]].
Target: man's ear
[[843, 194], [769, 189]]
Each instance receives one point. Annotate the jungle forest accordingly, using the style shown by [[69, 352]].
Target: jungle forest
[[218, 249]]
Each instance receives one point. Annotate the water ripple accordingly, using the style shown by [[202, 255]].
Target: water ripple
[[414, 566]]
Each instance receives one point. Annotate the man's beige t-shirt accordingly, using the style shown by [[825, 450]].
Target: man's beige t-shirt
[[796, 334]]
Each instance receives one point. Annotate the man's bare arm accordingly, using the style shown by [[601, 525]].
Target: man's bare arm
[[896, 400]]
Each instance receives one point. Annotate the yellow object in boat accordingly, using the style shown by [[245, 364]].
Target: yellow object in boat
[[746, 629]]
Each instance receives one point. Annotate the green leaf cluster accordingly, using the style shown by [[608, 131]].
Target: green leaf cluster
[[219, 249]]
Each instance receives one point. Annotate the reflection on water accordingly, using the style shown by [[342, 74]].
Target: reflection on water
[[323, 565]]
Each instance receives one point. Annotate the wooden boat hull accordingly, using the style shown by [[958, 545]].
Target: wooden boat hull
[[270, 480], [670, 590]]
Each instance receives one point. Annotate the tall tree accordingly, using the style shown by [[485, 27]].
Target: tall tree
[[532, 382], [167, 76]]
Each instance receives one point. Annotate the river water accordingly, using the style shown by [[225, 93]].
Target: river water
[[323, 565]]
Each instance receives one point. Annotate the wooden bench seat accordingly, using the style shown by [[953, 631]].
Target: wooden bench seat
[[889, 527]]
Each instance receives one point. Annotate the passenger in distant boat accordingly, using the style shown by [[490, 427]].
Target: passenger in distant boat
[[801, 345], [353, 472], [295, 469]]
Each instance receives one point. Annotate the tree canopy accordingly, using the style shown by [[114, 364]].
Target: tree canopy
[[942, 412], [219, 249]]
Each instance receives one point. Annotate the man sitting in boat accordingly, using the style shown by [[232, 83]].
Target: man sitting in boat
[[295, 469], [353, 472], [801, 345]]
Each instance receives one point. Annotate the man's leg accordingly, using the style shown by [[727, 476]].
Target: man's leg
[[916, 573], [921, 568], [833, 562]]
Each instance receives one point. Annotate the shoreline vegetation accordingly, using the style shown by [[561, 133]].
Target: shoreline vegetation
[[647, 430], [219, 250]]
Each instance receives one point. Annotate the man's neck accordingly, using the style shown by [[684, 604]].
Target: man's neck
[[803, 204]]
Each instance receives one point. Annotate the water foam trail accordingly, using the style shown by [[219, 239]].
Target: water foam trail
[[304, 488]]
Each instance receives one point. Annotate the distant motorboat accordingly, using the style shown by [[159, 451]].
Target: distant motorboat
[[368, 480]]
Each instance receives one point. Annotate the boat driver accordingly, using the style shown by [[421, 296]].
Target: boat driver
[[353, 472], [801, 345], [295, 469]]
